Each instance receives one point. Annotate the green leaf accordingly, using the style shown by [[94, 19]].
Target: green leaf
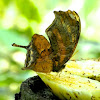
[[6, 2], [89, 6], [28, 9]]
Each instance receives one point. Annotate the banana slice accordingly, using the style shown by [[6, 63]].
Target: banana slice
[[84, 68], [71, 87]]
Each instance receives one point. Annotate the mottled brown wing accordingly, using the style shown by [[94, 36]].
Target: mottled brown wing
[[63, 34], [38, 53]]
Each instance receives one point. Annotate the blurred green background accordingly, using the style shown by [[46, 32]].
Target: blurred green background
[[20, 19]]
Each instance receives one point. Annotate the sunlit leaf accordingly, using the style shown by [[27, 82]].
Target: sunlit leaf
[[89, 6], [28, 9], [6, 2]]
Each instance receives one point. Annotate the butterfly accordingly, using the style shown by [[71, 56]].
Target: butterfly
[[46, 56]]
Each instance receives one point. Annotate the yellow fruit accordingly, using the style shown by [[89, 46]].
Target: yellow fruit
[[73, 82], [71, 87], [84, 68]]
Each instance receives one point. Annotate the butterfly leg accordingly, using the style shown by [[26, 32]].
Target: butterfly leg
[[15, 45]]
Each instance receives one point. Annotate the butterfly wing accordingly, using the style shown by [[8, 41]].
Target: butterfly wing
[[63, 34], [37, 57]]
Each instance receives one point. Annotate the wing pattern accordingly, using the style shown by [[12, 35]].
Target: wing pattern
[[63, 33]]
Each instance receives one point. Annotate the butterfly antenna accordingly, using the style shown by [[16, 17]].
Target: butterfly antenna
[[15, 45]]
